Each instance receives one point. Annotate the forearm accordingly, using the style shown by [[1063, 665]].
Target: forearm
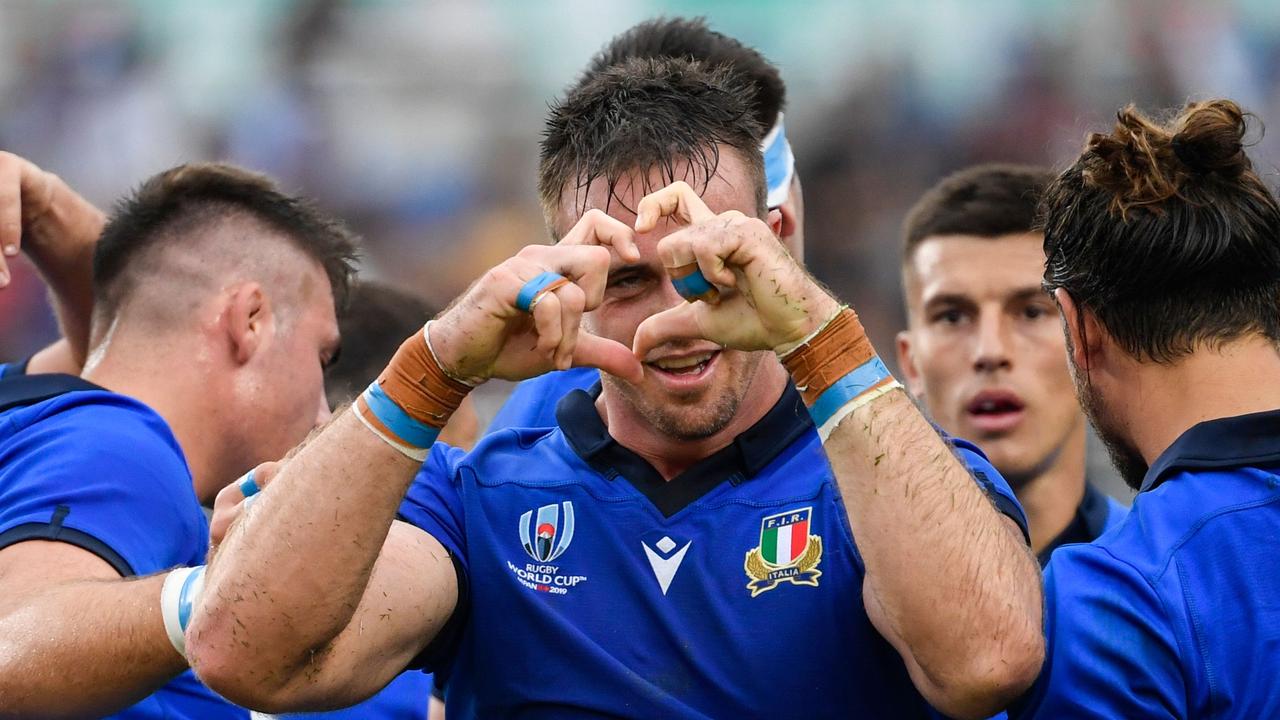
[[61, 247], [304, 554], [84, 649], [947, 579]]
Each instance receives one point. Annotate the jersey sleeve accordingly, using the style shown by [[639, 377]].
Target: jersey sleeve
[[533, 403], [991, 482], [106, 482], [1111, 652], [433, 503]]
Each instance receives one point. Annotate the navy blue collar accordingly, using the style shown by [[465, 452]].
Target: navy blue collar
[[1241, 441], [740, 460]]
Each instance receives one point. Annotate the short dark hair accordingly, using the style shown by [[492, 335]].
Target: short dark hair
[[188, 197], [692, 39], [376, 321], [1166, 234], [643, 114], [987, 201]]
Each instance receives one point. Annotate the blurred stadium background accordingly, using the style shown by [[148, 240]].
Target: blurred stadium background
[[418, 122]]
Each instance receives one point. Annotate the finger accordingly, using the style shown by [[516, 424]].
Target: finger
[[10, 210], [677, 201], [599, 228], [586, 265], [546, 323], [682, 322], [572, 300], [609, 356]]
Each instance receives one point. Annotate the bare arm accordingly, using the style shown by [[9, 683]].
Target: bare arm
[[58, 230], [314, 599], [949, 580], [77, 640]]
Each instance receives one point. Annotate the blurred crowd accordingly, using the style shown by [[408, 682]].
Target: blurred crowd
[[418, 121]]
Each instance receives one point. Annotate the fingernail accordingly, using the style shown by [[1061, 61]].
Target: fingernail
[[10, 249], [4, 279]]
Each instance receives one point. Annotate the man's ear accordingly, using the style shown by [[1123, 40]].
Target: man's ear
[[1084, 332], [907, 363], [248, 320], [789, 220], [775, 221]]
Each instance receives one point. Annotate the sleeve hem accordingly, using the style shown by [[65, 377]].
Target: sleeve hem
[[56, 532]]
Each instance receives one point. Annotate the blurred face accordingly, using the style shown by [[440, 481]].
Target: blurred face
[[985, 353], [691, 389], [288, 399]]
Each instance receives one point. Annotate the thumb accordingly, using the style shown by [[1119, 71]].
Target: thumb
[[610, 356], [682, 322]]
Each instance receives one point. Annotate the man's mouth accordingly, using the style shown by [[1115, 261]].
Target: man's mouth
[[995, 410], [685, 365]]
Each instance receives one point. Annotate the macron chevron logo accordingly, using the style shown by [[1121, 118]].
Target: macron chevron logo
[[665, 556]]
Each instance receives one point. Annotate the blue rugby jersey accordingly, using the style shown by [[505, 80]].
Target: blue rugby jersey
[[533, 402], [408, 697], [1177, 612], [592, 587], [1096, 514], [103, 472]]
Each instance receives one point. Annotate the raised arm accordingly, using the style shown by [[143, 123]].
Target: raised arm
[[316, 598], [58, 229], [949, 581]]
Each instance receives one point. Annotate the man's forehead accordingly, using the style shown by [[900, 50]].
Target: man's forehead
[[956, 264]]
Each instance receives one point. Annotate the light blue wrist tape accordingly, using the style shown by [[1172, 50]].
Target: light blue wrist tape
[[402, 426], [861, 379], [178, 596]]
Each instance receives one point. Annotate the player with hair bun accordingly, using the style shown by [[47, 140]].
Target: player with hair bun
[[1163, 249]]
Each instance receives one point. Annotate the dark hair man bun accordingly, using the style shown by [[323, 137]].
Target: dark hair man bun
[[1142, 162], [1167, 234]]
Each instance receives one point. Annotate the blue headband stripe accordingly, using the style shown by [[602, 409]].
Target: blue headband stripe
[[779, 163]]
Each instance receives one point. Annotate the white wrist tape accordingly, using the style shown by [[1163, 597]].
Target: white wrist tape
[[182, 587]]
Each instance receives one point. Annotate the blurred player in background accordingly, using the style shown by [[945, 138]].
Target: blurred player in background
[[1163, 249], [984, 352], [677, 546], [377, 320], [533, 402], [212, 315]]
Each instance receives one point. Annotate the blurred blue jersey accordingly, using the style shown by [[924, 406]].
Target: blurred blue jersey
[[103, 472]]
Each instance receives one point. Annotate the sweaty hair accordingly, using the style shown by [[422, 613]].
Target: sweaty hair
[[377, 320], [691, 39], [183, 203], [983, 201], [647, 114], [1163, 231]]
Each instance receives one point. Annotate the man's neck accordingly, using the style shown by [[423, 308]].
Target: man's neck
[[670, 456], [1164, 401], [153, 374], [1052, 497]]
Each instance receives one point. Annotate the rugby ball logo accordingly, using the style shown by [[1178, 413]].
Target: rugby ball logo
[[547, 532]]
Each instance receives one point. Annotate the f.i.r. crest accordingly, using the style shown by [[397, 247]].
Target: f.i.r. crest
[[787, 553]]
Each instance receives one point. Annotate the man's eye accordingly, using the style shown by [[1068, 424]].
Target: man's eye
[[1034, 312], [950, 316]]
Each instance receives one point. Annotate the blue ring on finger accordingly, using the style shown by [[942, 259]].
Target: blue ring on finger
[[248, 486], [693, 286], [530, 290]]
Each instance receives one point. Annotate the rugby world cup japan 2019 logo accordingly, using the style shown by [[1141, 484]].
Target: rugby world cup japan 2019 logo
[[545, 534], [549, 536], [787, 553]]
